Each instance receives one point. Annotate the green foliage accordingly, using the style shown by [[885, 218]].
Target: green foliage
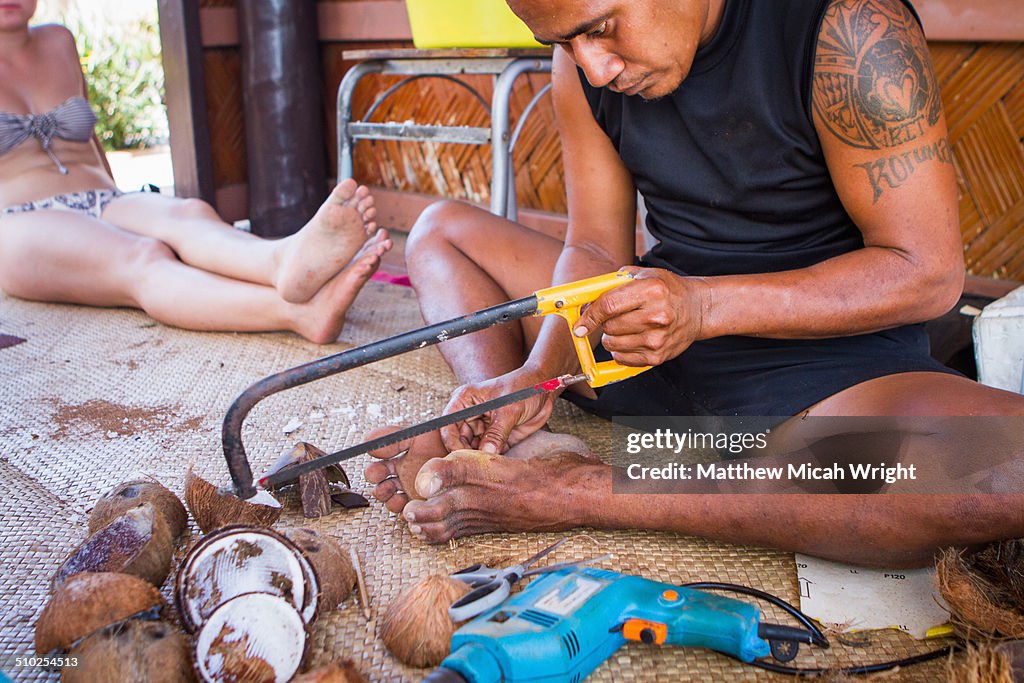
[[126, 80], [119, 44]]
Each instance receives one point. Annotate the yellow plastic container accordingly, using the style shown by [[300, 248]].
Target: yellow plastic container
[[466, 23]]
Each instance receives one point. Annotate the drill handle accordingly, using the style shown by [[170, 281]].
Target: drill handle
[[567, 301]]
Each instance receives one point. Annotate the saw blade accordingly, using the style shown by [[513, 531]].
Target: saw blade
[[295, 471]]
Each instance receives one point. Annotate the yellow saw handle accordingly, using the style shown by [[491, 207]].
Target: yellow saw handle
[[567, 301]]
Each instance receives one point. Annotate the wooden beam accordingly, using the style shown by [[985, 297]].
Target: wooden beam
[[185, 96], [370, 20], [354, 21], [989, 287], [973, 20], [364, 20]]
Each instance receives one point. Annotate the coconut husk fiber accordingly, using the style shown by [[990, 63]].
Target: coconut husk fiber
[[981, 663], [985, 589]]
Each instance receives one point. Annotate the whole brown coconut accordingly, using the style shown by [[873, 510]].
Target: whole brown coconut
[[416, 626], [212, 508], [87, 603], [330, 562], [137, 651], [138, 542], [345, 672], [130, 494]]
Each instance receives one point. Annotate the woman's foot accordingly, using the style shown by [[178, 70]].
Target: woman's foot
[[314, 255], [394, 475], [321, 319]]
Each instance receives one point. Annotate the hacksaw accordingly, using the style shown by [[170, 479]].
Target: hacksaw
[[566, 301]]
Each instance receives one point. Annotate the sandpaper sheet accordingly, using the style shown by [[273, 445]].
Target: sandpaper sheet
[[858, 599]]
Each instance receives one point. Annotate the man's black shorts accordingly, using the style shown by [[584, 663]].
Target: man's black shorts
[[762, 377]]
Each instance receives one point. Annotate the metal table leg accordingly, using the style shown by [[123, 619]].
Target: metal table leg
[[503, 201], [344, 105]]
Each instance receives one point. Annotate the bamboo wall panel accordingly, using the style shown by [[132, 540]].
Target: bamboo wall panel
[[983, 93]]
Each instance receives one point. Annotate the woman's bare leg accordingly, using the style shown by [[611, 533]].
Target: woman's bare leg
[[71, 258], [297, 266]]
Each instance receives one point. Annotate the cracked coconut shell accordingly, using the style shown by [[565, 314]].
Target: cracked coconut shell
[[331, 563], [135, 650], [346, 672], [89, 602], [138, 543], [213, 508], [124, 497], [416, 626]]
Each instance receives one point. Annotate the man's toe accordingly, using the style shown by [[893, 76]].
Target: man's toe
[[434, 532]]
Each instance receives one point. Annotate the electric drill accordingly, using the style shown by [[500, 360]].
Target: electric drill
[[565, 624]]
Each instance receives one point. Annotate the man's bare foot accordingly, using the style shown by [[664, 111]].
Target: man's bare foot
[[394, 475], [542, 442], [307, 260], [472, 492], [321, 318]]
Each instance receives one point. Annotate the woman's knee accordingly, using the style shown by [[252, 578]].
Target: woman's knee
[[187, 209], [146, 254]]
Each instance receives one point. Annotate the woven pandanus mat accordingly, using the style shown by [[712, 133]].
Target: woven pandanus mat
[[96, 397]]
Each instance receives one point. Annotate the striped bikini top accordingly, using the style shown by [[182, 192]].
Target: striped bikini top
[[73, 120]]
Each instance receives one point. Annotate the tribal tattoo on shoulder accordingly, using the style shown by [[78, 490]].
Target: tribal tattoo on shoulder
[[874, 87]]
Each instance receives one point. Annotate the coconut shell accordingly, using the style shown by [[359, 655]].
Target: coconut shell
[[416, 626], [213, 508], [331, 563], [345, 672], [138, 542], [87, 603], [137, 651], [970, 599], [131, 494]]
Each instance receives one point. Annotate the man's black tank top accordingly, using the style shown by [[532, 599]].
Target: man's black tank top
[[729, 165], [735, 182]]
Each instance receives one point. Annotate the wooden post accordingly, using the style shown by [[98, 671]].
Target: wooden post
[[281, 86], [181, 45]]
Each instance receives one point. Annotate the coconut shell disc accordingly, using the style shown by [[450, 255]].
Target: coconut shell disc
[[89, 602], [252, 638], [239, 560], [138, 543]]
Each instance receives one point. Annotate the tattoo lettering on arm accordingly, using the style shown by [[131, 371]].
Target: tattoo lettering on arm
[[891, 172], [874, 87]]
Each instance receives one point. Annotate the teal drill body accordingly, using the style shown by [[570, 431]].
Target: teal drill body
[[565, 624]]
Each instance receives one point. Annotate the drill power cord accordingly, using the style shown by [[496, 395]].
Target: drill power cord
[[813, 635]]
